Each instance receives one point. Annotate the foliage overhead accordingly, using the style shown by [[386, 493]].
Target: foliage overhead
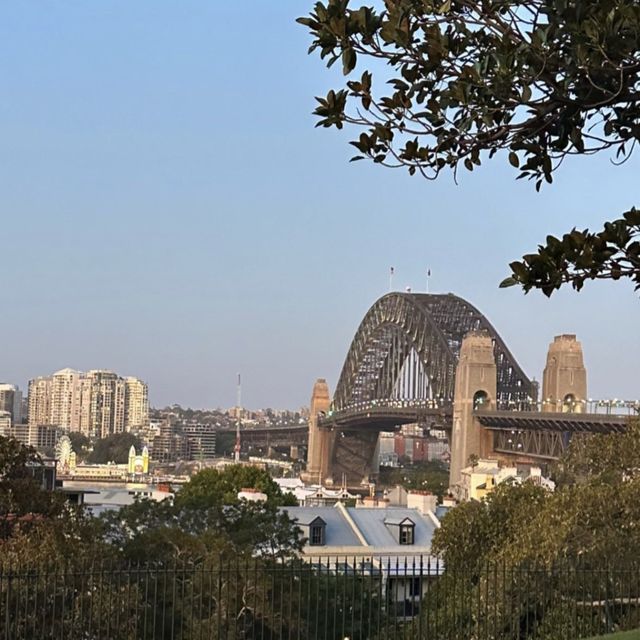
[[541, 80], [612, 253], [451, 82]]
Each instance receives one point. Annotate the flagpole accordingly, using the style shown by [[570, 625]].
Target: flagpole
[[428, 276], [390, 279]]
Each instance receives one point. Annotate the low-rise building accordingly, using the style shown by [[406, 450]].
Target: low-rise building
[[392, 542], [480, 479], [201, 439], [315, 495]]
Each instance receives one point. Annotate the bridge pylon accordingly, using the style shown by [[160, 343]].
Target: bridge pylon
[[564, 381], [319, 448], [475, 387]]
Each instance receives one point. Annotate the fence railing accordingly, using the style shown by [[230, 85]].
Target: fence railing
[[331, 598]]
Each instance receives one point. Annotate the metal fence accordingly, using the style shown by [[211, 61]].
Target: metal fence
[[333, 598]]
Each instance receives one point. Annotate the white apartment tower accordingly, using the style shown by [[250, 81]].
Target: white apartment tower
[[136, 407], [65, 399], [39, 405]]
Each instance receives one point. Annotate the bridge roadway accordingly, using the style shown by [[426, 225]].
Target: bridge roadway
[[384, 415], [541, 436], [276, 436], [534, 434], [542, 421]]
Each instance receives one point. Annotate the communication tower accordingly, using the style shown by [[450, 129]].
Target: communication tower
[[238, 420]]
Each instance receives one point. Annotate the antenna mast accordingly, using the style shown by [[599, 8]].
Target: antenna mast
[[238, 420]]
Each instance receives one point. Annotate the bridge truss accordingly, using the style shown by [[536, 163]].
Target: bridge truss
[[407, 348], [541, 435]]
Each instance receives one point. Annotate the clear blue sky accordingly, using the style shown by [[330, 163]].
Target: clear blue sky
[[170, 212]]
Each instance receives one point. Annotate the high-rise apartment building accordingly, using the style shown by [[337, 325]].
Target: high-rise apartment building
[[40, 400], [106, 404], [65, 399], [11, 401], [97, 403], [136, 405], [5, 424]]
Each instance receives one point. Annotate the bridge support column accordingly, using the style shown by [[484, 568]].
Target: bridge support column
[[319, 449], [475, 388], [564, 381]]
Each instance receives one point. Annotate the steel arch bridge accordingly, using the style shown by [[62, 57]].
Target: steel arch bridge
[[407, 347], [400, 368]]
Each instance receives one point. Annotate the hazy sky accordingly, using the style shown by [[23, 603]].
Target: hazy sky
[[170, 212]]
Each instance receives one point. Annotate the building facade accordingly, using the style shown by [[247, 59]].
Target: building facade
[[388, 541], [39, 401], [170, 444], [98, 403], [202, 440], [11, 401], [5, 424], [136, 404]]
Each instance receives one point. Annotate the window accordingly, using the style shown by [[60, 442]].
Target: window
[[316, 536], [406, 534], [480, 399], [415, 587], [569, 403]]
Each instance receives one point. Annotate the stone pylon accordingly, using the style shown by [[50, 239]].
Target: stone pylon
[[564, 382], [475, 388], [319, 447]]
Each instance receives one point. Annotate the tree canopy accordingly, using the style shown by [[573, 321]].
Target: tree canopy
[[592, 515], [35, 523], [79, 443], [425, 476], [211, 488], [449, 83], [591, 521], [114, 448]]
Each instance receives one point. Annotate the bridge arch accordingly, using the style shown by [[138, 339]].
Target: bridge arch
[[408, 345]]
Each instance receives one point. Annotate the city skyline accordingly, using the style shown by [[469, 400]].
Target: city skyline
[[181, 219], [96, 403]]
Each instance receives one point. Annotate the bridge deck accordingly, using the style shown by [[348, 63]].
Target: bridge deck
[[538, 421]]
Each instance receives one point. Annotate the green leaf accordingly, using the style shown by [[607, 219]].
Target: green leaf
[[514, 160], [508, 282], [633, 216], [349, 59]]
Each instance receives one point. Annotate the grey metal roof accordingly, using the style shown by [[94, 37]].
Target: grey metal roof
[[310, 519], [338, 532], [398, 521], [371, 523]]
